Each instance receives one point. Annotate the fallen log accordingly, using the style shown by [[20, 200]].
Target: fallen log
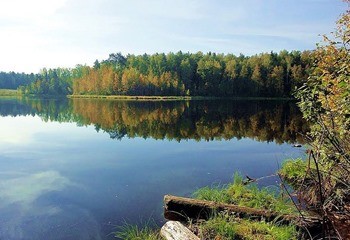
[[183, 209], [173, 230]]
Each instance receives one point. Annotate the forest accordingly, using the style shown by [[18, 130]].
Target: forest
[[179, 74], [13, 80]]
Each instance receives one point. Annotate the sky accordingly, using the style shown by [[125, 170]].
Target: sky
[[63, 33]]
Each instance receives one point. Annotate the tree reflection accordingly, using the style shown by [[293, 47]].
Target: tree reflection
[[174, 120]]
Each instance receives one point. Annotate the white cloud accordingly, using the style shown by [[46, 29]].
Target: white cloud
[[29, 10], [25, 190]]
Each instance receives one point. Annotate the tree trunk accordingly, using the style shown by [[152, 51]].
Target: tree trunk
[[183, 209]]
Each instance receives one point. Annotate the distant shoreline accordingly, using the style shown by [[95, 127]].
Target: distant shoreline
[[13, 93], [8, 93], [161, 98]]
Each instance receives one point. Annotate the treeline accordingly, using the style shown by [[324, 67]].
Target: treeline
[[13, 80], [51, 82], [268, 74], [174, 74]]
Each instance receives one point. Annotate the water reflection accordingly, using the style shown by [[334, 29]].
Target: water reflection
[[24, 212], [24, 190], [174, 120], [60, 181]]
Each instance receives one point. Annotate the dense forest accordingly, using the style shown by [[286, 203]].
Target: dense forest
[[51, 82], [180, 74], [13, 80], [268, 74], [173, 120]]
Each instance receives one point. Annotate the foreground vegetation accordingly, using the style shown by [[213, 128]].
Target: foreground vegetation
[[134, 232], [227, 226], [325, 102], [221, 227], [241, 194]]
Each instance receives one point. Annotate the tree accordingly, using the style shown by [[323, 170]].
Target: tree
[[117, 59], [257, 78], [210, 71], [276, 81], [325, 102], [187, 72], [97, 64], [208, 74], [297, 76], [130, 81]]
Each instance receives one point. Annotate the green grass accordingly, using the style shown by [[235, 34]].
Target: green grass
[[248, 196], [298, 172], [227, 228], [224, 226], [8, 92], [221, 226], [293, 168], [134, 232]]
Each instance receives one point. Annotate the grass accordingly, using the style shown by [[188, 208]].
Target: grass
[[8, 92], [224, 226], [221, 226], [299, 173], [293, 168], [227, 228], [134, 232], [247, 195]]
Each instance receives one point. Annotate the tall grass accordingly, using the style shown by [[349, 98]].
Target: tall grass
[[247, 195], [227, 228], [134, 232], [294, 168]]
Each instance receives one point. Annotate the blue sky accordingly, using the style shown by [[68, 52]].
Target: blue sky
[[62, 33]]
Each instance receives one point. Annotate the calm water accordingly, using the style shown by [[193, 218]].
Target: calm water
[[73, 169]]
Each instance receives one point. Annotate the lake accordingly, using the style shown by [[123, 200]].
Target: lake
[[74, 169]]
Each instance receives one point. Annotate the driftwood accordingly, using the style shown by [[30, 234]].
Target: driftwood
[[173, 230], [183, 209]]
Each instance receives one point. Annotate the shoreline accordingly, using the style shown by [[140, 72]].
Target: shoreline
[[164, 98]]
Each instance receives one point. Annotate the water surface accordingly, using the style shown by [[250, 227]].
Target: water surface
[[73, 169]]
